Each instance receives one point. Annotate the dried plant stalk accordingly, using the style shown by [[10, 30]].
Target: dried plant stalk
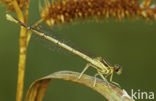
[[21, 4], [17, 6], [110, 92], [22, 54]]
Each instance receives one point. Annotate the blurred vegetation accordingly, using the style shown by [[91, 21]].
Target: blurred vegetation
[[130, 43]]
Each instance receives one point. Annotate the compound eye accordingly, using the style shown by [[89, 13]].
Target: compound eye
[[116, 68]]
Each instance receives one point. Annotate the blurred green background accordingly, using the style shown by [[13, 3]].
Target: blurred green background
[[130, 43]]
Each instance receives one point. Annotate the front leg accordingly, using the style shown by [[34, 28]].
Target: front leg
[[111, 77]]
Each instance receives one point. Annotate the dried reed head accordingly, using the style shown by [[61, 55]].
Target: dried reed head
[[62, 11], [8, 3]]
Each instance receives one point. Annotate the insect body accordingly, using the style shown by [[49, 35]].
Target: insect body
[[103, 69]]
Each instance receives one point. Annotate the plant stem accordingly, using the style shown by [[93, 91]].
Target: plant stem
[[22, 51]]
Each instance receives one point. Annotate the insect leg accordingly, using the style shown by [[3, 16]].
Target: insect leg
[[111, 77], [86, 67], [95, 79], [103, 78]]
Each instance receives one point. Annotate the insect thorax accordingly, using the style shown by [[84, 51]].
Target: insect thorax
[[102, 66]]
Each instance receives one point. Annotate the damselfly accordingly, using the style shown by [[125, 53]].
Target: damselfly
[[103, 69]]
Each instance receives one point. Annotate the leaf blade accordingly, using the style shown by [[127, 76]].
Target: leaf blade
[[111, 93]]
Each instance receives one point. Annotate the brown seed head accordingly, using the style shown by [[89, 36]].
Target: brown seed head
[[69, 10]]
